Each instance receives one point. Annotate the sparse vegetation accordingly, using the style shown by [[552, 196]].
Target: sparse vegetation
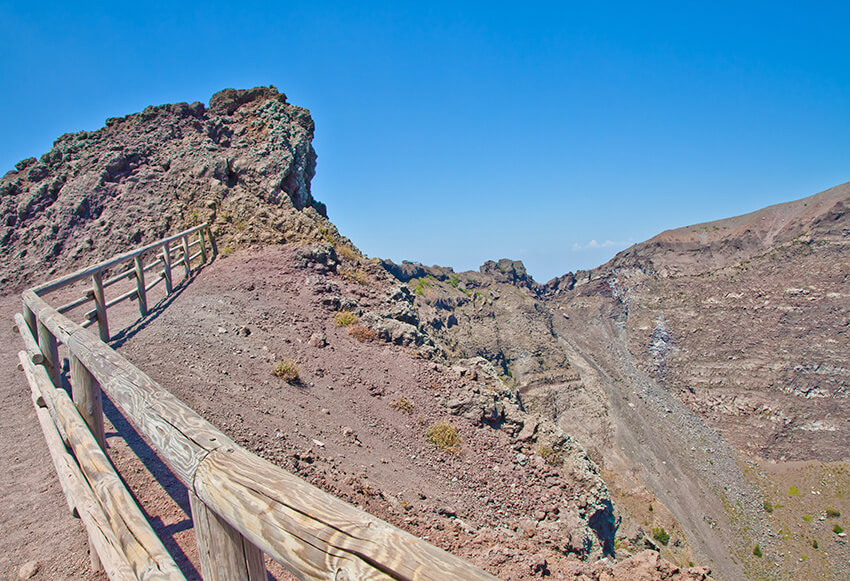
[[357, 275], [793, 491], [444, 436], [402, 404], [832, 513], [286, 370], [550, 455], [362, 333], [661, 535], [421, 285], [346, 252], [757, 552], [345, 318], [454, 281], [837, 529], [767, 506], [227, 250], [815, 544]]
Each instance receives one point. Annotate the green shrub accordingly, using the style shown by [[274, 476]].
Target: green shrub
[[837, 529], [757, 551], [793, 491], [767, 506], [286, 370], [552, 456], [660, 535], [815, 544], [345, 318], [444, 436], [832, 513]]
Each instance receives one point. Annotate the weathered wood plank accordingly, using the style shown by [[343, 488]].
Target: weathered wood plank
[[148, 557], [86, 393], [33, 350], [74, 304], [187, 267], [312, 533], [86, 508], [50, 349], [225, 555], [118, 277], [93, 314], [30, 318], [194, 256], [88, 271], [176, 431], [166, 267], [100, 306], [203, 244], [141, 291]]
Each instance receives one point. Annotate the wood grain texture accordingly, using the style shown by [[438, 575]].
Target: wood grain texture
[[187, 267], [80, 496], [310, 532], [147, 556], [203, 244], [166, 267], [141, 291], [49, 348], [88, 271], [29, 317], [225, 555], [176, 431], [86, 392], [100, 305], [33, 350]]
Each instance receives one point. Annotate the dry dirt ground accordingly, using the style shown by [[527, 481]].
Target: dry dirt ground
[[353, 424]]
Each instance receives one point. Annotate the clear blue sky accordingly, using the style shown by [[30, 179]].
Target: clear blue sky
[[457, 132]]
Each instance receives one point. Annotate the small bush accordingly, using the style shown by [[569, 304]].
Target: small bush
[[832, 513], [837, 529], [551, 455], [286, 370], [348, 253], [807, 518], [815, 544], [345, 318], [793, 491], [757, 552], [362, 333], [454, 281], [402, 404], [444, 436], [767, 506], [660, 535], [357, 275]]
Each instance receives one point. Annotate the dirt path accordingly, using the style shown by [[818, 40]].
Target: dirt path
[[35, 521]]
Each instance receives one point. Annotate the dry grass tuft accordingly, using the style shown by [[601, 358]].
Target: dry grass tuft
[[362, 333], [286, 370], [357, 275], [402, 404], [345, 318], [444, 436]]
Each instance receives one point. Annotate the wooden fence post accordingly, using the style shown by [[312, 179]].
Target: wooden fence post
[[203, 245], [225, 555], [140, 286], [50, 349], [100, 306], [29, 317], [186, 265], [213, 245], [86, 394], [166, 267]]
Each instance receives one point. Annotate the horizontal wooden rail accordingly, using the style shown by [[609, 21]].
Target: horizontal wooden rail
[[76, 303], [89, 271]]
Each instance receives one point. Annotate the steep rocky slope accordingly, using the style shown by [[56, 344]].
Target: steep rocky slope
[[682, 366]]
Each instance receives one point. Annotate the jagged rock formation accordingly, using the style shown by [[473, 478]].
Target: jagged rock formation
[[730, 332], [244, 163]]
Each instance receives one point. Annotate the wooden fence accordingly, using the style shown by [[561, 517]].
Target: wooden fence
[[242, 505]]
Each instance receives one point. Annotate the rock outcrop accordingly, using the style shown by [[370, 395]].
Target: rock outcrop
[[244, 164]]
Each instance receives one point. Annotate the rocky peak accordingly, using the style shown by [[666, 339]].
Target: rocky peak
[[244, 163], [507, 271]]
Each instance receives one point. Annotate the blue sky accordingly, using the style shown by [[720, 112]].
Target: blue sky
[[456, 132]]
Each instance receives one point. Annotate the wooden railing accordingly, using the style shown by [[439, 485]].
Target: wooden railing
[[241, 504]]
